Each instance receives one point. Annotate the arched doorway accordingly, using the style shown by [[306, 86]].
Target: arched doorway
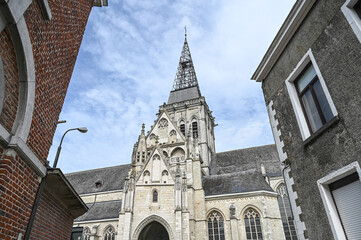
[[154, 231]]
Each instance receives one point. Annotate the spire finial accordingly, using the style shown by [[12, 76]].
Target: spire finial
[[185, 32]]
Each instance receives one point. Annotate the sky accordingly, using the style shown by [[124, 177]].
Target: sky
[[128, 60]]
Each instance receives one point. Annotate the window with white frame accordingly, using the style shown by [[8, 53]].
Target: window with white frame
[[341, 194], [352, 11], [309, 95]]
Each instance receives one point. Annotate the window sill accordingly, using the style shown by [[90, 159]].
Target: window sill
[[320, 131]]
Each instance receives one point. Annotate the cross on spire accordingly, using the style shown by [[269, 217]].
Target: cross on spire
[[186, 76]]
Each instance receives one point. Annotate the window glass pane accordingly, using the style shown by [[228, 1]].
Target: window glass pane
[[311, 111], [306, 78], [253, 225], [347, 201], [357, 8], [322, 100], [215, 226]]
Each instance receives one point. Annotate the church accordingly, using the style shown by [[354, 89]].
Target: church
[[178, 187]]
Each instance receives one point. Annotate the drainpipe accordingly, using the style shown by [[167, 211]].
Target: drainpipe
[[39, 193]]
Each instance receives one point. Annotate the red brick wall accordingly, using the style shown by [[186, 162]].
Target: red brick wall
[[55, 45], [18, 186], [52, 221], [8, 58]]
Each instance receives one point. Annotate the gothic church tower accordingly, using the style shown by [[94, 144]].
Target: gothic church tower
[[163, 196]]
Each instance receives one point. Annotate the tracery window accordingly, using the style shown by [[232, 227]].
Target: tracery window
[[86, 233], [215, 226], [109, 233], [156, 157], [163, 123], [173, 132], [155, 196], [152, 136], [286, 213], [253, 225]]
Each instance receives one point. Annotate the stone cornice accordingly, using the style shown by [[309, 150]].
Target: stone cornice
[[241, 195]]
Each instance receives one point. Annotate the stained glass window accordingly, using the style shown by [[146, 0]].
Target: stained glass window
[[215, 226], [252, 222]]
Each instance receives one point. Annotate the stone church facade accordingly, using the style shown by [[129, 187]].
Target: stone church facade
[[178, 187]]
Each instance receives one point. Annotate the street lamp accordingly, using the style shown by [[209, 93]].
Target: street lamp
[[81, 129]]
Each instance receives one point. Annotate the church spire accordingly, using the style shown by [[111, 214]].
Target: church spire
[[186, 76]]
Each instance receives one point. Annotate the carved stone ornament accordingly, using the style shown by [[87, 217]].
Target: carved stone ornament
[[163, 123], [232, 211]]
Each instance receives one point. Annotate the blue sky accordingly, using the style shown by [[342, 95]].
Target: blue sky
[[128, 60]]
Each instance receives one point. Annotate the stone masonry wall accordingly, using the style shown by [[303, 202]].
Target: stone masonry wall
[[337, 52]]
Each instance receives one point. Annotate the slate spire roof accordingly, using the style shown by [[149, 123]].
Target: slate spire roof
[[185, 84]]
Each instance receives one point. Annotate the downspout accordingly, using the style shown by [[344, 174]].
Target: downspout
[[39, 193]]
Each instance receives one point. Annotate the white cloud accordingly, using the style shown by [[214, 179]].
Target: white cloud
[[128, 60]]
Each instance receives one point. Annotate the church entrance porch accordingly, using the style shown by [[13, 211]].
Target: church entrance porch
[[154, 231]]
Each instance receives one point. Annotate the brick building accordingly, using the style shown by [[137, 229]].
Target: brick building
[[310, 79], [39, 43]]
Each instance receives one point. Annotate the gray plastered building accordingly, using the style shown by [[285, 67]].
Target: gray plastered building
[[310, 79]]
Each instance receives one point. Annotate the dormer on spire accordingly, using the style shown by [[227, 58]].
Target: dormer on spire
[[185, 77]]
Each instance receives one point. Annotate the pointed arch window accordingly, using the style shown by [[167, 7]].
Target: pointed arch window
[[155, 196], [146, 177], [286, 213], [252, 223], [195, 129], [164, 176], [109, 233], [182, 128], [215, 226], [86, 233]]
